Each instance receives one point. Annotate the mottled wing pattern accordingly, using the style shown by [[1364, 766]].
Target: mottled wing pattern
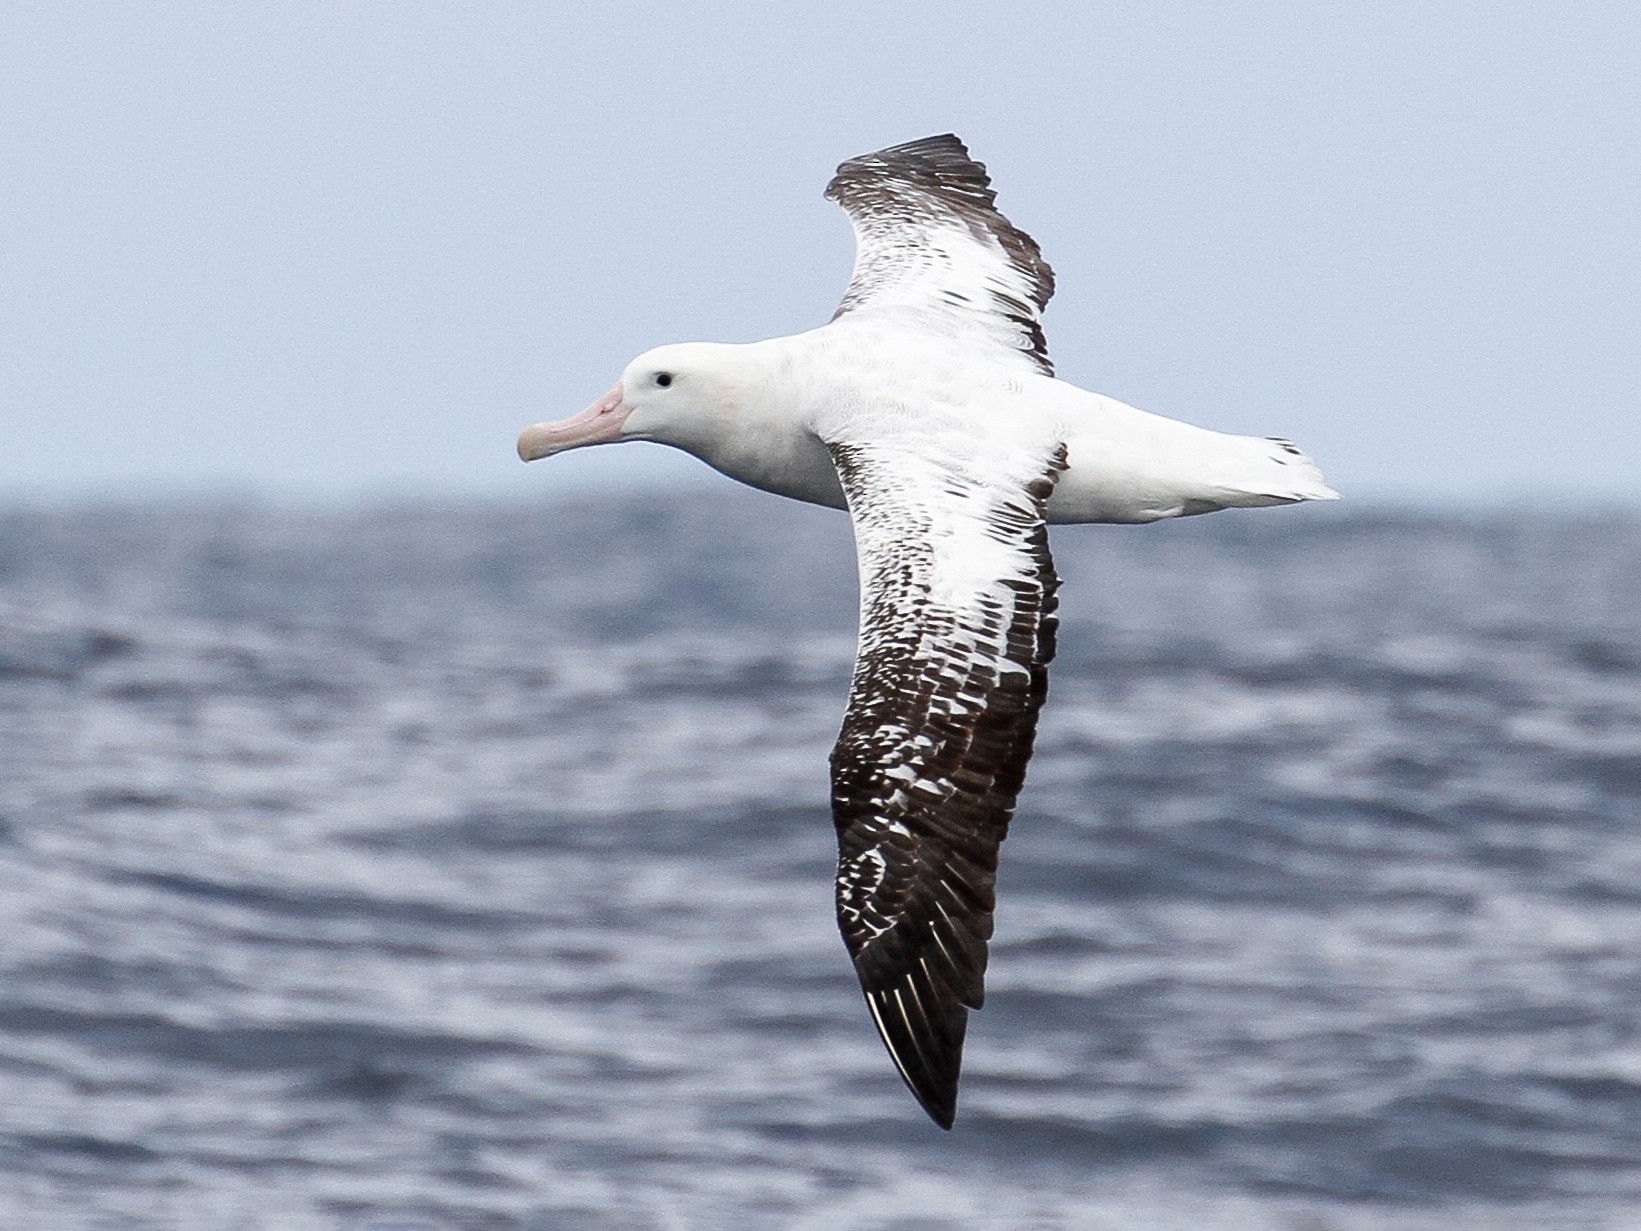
[[957, 628], [931, 246]]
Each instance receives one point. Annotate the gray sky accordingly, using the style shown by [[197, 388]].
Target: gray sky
[[330, 248]]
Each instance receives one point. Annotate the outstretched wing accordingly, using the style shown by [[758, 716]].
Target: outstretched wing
[[931, 247], [957, 628]]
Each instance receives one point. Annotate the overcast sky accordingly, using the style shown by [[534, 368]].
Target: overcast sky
[[326, 248]]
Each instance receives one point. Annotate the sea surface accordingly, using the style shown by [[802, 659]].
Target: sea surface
[[423, 868]]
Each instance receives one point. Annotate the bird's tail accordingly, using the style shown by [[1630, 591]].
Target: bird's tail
[[1278, 472]]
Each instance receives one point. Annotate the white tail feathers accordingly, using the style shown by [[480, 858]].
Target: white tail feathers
[[1287, 474], [1129, 466]]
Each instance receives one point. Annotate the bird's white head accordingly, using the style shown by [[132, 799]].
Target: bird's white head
[[677, 395]]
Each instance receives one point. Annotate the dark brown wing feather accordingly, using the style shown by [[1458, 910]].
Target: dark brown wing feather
[[957, 629], [929, 237]]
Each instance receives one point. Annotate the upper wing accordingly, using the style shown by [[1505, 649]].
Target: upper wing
[[957, 628], [929, 241]]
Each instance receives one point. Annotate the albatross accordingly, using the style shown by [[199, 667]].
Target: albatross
[[928, 409]]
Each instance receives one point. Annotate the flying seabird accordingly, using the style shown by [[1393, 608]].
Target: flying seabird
[[928, 408]]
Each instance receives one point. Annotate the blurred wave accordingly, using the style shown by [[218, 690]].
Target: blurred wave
[[428, 867]]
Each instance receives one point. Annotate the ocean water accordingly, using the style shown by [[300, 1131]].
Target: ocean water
[[422, 868]]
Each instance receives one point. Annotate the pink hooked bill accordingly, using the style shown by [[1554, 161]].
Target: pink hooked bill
[[599, 422]]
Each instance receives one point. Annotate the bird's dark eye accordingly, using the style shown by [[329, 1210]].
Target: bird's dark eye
[[663, 379]]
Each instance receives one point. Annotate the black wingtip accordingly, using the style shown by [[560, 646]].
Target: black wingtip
[[934, 1086], [938, 1100], [928, 1054], [935, 1092], [937, 160], [942, 142], [948, 144]]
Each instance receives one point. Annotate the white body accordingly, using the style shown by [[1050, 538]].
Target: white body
[[778, 399]]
